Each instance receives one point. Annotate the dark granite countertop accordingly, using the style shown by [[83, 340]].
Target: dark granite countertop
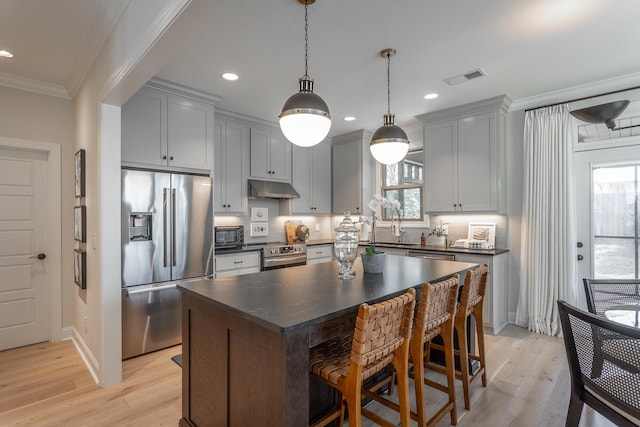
[[297, 297]]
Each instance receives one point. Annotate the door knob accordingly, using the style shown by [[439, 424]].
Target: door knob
[[580, 244], [39, 256], [580, 257]]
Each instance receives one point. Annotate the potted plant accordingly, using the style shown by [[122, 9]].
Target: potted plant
[[438, 235], [372, 259]]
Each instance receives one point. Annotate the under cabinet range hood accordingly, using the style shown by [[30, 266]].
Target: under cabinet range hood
[[271, 190]]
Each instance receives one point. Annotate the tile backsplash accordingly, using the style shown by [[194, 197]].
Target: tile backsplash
[[321, 227]]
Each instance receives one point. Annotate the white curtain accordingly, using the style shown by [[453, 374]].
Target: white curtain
[[548, 266]]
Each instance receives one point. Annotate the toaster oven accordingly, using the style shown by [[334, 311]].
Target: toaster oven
[[229, 236]]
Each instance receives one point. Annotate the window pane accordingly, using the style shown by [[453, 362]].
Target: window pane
[[614, 201], [412, 203], [410, 200], [614, 258], [391, 175]]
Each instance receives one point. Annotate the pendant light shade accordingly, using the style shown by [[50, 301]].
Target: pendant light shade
[[389, 144], [305, 118]]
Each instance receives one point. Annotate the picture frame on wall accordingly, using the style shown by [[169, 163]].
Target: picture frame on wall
[[80, 268], [80, 223], [80, 175]]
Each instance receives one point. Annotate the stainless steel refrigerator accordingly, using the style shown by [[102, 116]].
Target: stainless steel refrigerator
[[167, 230]]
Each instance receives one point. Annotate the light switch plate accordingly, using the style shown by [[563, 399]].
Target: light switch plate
[[259, 229], [259, 214]]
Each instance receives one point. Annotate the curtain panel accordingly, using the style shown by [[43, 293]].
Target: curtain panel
[[548, 266]]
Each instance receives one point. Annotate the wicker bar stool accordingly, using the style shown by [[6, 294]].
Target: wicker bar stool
[[381, 337], [471, 298], [435, 316]]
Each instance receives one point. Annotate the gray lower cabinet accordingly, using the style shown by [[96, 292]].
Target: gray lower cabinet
[[167, 130], [317, 254], [231, 148], [236, 264], [495, 306], [312, 179]]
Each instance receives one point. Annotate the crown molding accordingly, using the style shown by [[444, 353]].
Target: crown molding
[[594, 89], [31, 85], [179, 89]]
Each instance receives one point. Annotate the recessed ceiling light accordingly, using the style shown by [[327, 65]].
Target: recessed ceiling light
[[349, 118], [6, 54], [431, 96], [229, 76]]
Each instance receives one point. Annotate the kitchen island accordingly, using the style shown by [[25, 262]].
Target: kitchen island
[[246, 339]]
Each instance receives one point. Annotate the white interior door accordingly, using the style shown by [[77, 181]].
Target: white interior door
[[24, 278], [607, 192]]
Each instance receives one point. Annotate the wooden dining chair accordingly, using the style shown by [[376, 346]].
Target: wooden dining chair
[[613, 391], [435, 316], [381, 338]]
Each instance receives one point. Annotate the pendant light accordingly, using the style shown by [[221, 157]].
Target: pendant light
[[305, 118], [389, 144]]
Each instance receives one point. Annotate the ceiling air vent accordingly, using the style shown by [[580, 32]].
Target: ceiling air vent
[[456, 80]]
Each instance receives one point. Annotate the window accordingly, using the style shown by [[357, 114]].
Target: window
[[403, 182], [616, 222]]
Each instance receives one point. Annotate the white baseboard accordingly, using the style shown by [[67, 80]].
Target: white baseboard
[[83, 349]]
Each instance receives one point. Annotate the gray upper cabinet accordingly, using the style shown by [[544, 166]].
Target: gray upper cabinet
[[231, 166], [353, 173], [167, 130], [270, 155], [312, 179], [464, 157]]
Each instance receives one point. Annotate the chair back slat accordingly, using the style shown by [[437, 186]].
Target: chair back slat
[[475, 285], [382, 328], [603, 294], [437, 304]]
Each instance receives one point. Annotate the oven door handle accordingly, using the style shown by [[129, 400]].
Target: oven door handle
[[288, 259]]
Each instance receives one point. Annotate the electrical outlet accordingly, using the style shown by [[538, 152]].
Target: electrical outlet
[[317, 227], [85, 324], [259, 229]]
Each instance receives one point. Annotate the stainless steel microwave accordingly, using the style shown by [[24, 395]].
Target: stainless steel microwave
[[229, 236]]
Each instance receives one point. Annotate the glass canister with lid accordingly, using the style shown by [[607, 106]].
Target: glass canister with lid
[[346, 246]]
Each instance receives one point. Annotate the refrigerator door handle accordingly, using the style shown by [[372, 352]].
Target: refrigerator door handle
[[164, 226], [173, 227], [156, 289]]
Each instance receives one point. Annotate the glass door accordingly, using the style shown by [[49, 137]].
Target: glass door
[[607, 205]]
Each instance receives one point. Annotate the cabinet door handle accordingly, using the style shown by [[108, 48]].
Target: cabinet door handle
[[171, 158], [237, 262], [164, 157]]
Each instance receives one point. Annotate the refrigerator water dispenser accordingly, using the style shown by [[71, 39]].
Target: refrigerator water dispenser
[[140, 226]]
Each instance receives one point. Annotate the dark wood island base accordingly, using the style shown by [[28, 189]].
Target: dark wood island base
[[246, 339]]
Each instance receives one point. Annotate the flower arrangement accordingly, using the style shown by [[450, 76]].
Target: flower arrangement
[[439, 231], [374, 205]]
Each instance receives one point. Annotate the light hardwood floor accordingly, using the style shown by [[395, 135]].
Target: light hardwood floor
[[48, 385]]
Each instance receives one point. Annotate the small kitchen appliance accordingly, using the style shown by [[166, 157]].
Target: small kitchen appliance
[[229, 236]]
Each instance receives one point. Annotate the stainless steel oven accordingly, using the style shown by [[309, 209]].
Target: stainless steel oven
[[282, 256]]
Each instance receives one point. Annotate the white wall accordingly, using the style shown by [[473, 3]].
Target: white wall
[[148, 34], [43, 118]]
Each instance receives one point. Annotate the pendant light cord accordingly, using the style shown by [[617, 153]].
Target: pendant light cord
[[389, 83], [306, 40]]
